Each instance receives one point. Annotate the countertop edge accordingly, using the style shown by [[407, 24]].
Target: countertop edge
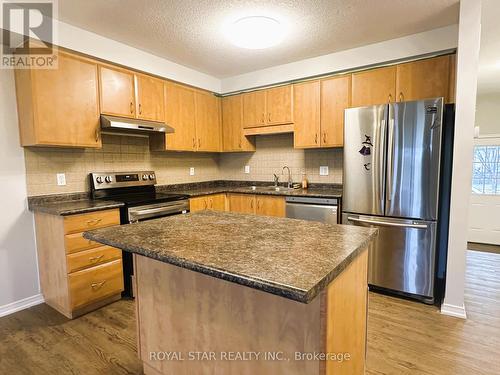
[[54, 211], [298, 295]]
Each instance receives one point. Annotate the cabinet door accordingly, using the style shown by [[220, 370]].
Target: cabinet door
[[423, 79], [232, 127], [279, 105], [179, 113], [217, 202], [198, 204], [376, 86], [66, 107], [208, 122], [244, 203], [254, 109], [117, 92], [150, 98], [270, 206], [335, 98], [306, 107]]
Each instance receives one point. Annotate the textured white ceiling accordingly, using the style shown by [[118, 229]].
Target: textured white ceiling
[[189, 31], [489, 54]]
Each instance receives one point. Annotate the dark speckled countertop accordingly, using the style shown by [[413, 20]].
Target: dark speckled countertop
[[78, 203], [291, 258], [69, 204]]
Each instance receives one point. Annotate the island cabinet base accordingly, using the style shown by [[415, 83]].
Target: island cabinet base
[[191, 323]]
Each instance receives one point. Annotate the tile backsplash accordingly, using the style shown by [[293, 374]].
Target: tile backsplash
[[120, 153], [276, 151]]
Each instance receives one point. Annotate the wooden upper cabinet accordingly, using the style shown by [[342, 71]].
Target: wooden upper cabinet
[[59, 107], [179, 114], [117, 92], [150, 98], [254, 109], [423, 79], [208, 122], [279, 105], [306, 107], [335, 98], [376, 86], [232, 126]]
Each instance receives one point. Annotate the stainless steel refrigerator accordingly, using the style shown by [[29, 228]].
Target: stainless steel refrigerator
[[392, 158]]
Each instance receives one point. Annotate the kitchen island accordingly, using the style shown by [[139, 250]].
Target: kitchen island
[[267, 295]]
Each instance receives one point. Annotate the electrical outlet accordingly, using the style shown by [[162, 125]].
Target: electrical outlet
[[191, 171], [247, 169], [61, 179], [323, 171]]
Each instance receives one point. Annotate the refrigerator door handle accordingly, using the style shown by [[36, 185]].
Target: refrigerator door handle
[[390, 157], [385, 223], [379, 163]]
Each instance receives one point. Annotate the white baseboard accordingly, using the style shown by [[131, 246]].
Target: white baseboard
[[22, 304], [452, 310]]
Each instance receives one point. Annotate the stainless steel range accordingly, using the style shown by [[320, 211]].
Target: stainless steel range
[[141, 202]]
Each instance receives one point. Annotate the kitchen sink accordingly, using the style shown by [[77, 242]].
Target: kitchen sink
[[271, 188]]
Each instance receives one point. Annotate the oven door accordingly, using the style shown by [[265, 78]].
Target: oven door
[[142, 213]]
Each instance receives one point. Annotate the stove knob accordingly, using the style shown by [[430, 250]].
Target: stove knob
[[108, 179], [151, 176], [99, 179], [144, 177]]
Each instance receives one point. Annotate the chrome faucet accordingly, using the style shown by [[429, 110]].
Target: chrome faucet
[[276, 180], [290, 183]]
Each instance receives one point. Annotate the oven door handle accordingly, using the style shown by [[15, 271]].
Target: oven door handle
[[168, 209]]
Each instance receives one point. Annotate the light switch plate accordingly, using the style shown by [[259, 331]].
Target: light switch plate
[[191, 171], [61, 179], [247, 169], [323, 171]]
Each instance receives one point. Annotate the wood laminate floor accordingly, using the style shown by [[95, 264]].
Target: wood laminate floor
[[404, 337]]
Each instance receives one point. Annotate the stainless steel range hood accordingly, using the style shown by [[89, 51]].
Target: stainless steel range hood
[[125, 126]]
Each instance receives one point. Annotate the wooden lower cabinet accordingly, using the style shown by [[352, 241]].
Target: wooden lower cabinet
[[265, 205], [243, 203], [216, 202], [270, 206], [77, 275]]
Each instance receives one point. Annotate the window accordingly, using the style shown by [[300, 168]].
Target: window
[[486, 170]]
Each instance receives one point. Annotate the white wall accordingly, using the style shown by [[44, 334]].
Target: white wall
[[413, 45], [83, 41], [18, 264], [488, 113], [461, 185]]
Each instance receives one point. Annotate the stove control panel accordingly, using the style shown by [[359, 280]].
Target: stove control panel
[[110, 180]]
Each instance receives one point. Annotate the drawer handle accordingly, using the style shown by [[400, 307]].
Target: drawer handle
[[93, 222], [96, 259], [97, 286]]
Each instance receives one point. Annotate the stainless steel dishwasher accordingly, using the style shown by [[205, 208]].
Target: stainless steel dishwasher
[[313, 209]]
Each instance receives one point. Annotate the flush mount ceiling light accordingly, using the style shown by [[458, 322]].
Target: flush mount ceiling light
[[255, 32]]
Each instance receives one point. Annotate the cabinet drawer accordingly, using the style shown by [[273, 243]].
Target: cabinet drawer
[[93, 284], [91, 220], [92, 257], [75, 242]]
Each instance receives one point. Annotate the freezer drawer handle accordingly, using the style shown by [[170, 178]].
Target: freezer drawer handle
[[376, 222]]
